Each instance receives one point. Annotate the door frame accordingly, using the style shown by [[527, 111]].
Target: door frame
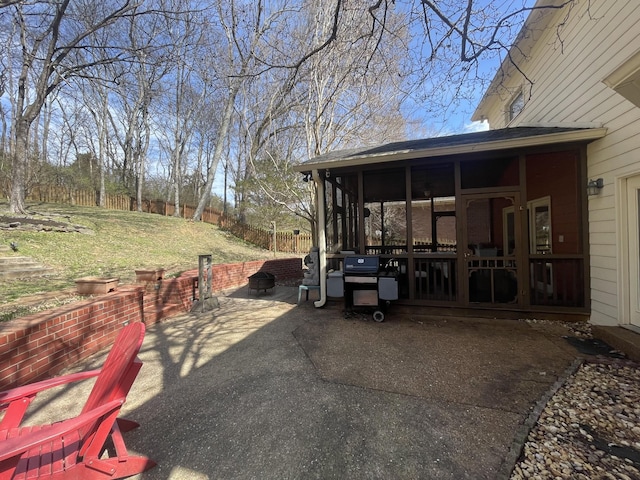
[[521, 242], [629, 277]]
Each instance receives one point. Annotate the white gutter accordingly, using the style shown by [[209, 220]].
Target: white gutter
[[322, 237]]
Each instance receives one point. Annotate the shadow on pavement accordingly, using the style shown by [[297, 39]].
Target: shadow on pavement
[[262, 388]]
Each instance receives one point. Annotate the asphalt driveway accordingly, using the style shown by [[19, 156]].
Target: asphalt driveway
[[261, 388]]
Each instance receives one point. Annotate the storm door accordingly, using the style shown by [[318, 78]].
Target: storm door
[[491, 230]]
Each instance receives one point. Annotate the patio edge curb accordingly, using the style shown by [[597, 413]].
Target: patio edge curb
[[520, 437]]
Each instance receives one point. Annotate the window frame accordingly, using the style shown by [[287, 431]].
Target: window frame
[[511, 113]]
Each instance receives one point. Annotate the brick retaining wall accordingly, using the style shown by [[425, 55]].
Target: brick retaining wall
[[41, 345]]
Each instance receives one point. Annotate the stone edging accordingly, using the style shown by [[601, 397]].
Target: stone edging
[[520, 438]]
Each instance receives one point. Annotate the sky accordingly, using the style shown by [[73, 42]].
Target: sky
[[458, 119]]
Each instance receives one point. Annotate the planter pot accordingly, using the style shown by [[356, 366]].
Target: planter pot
[[150, 275], [96, 285]]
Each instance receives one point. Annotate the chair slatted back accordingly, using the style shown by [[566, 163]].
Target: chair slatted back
[[119, 370], [119, 366]]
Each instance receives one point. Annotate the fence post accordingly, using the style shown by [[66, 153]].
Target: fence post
[[275, 249]]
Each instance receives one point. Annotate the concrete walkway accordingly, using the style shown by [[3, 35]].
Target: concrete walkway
[[261, 388]]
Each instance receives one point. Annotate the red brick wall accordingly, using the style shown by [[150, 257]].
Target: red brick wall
[[39, 346]]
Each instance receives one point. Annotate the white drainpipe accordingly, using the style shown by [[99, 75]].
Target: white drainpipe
[[322, 238]]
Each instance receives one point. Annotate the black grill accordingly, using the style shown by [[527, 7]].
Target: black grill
[[366, 265], [363, 286]]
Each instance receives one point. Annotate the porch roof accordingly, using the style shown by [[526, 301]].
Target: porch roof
[[490, 140]]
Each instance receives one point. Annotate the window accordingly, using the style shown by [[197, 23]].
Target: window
[[516, 106], [539, 227]]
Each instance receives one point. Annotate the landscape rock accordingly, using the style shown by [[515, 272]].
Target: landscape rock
[[590, 428]]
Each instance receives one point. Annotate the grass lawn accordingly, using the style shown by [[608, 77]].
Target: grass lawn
[[113, 244]]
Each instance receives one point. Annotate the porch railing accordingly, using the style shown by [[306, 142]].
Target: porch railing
[[402, 249], [557, 280], [435, 278], [554, 280]]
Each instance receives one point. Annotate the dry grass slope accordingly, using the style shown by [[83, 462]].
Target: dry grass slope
[[112, 244]]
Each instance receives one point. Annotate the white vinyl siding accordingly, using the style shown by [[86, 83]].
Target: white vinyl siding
[[567, 67]]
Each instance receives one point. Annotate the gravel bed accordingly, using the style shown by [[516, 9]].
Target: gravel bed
[[590, 428]]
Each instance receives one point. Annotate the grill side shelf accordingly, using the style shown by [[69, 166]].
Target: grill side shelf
[[360, 279]]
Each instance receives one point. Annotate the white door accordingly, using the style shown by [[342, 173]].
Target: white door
[[633, 225]]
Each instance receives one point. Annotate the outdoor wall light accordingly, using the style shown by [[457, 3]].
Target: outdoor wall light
[[594, 186]]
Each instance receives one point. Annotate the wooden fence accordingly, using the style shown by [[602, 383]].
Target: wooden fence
[[285, 241]]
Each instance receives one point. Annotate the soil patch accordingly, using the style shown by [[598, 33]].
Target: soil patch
[[38, 224]]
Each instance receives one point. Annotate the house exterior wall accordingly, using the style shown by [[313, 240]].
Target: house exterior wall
[[567, 66]]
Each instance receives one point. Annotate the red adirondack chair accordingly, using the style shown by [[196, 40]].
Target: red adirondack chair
[[75, 448]]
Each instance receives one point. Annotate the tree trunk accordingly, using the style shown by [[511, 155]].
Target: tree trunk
[[19, 169], [217, 154]]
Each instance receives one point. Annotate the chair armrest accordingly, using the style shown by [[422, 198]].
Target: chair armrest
[[9, 396], [16, 400], [15, 446]]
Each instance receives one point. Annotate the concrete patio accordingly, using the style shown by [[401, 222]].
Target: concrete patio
[[262, 388]]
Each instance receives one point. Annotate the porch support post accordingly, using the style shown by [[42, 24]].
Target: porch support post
[[522, 250], [583, 228], [322, 237], [361, 227], [409, 220]]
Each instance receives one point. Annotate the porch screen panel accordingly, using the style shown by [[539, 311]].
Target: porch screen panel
[[330, 215], [385, 212], [554, 225], [385, 228], [490, 172], [490, 264], [341, 213], [433, 208]]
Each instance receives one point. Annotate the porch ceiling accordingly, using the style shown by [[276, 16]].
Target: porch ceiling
[[491, 140]]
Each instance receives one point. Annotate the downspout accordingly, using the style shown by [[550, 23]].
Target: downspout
[[322, 237]]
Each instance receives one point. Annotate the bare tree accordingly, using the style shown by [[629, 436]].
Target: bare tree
[[95, 97], [260, 56], [250, 30], [50, 36], [344, 97], [186, 91]]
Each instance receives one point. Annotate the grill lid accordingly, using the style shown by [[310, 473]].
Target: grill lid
[[361, 264]]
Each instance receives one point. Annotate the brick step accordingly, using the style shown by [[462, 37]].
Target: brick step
[[154, 313], [13, 260], [25, 272]]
